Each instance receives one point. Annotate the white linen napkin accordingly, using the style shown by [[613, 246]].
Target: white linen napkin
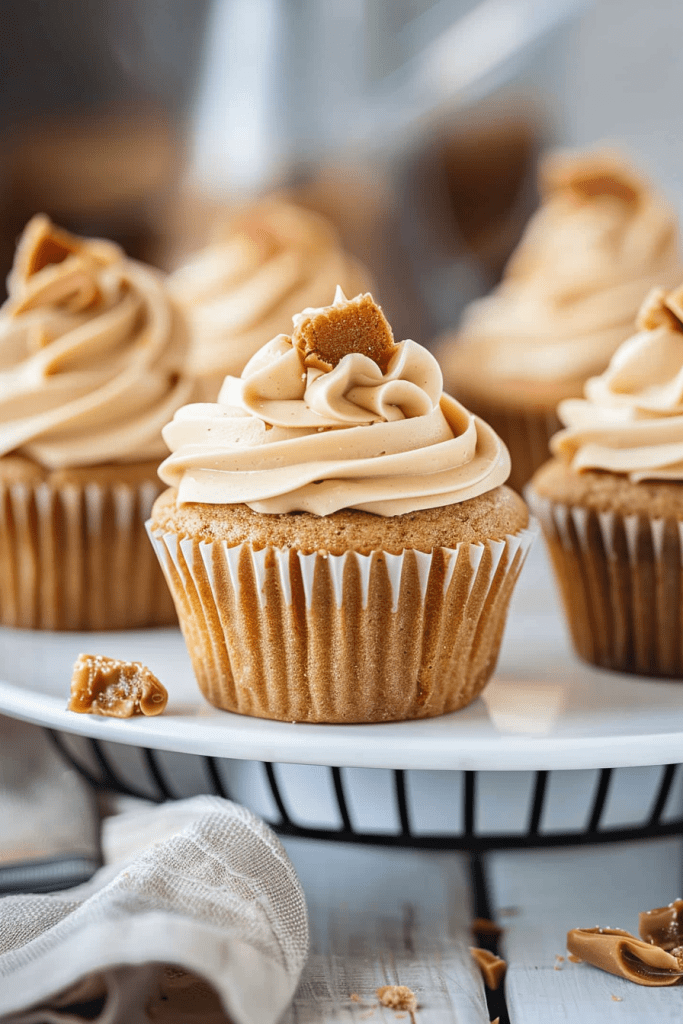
[[198, 885]]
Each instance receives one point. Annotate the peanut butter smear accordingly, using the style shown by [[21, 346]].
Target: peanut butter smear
[[92, 353], [631, 420], [117, 689], [337, 416]]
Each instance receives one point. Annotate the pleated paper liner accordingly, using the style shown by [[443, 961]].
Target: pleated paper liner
[[76, 557], [620, 578], [279, 634]]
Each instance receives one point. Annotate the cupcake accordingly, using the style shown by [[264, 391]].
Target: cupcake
[[267, 264], [610, 502], [600, 240], [337, 537], [91, 367]]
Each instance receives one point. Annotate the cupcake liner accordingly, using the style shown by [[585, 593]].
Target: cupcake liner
[[76, 557], [277, 633], [620, 577]]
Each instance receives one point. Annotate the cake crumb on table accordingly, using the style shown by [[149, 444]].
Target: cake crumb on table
[[574, 959], [397, 997], [617, 999]]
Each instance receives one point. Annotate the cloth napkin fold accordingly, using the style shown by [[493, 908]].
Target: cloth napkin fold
[[199, 889]]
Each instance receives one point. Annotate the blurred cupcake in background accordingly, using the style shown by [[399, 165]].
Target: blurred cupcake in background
[[266, 264], [610, 502], [92, 358], [337, 535], [600, 240]]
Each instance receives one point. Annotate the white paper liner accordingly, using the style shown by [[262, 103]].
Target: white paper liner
[[76, 557], [620, 577], [317, 637]]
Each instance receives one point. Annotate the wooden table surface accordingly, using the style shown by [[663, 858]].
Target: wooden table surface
[[383, 916]]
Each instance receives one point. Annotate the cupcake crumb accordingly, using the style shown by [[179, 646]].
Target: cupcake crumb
[[397, 997], [617, 999], [118, 689]]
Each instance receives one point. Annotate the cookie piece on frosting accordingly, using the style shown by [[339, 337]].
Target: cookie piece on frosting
[[324, 336]]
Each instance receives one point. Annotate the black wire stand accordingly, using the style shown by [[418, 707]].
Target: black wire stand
[[468, 840]]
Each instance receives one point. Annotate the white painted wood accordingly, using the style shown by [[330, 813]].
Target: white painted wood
[[554, 891], [381, 917]]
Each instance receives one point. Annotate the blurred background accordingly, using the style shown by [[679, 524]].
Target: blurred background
[[415, 125]]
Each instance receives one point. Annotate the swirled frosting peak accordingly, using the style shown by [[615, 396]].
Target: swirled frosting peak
[[337, 415], [266, 265], [600, 240], [631, 420], [91, 353]]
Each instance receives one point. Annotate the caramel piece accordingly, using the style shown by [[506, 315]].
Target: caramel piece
[[663, 926], [491, 966], [325, 336], [621, 953], [483, 926], [397, 997], [120, 689]]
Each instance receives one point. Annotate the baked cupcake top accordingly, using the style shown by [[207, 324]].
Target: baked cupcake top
[[91, 353], [335, 416], [631, 420], [600, 240], [268, 263]]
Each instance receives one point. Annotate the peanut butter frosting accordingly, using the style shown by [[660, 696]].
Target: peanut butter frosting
[[335, 416], [631, 420], [600, 240], [91, 353], [242, 290]]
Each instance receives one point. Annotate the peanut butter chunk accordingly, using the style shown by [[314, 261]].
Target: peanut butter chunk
[[397, 997], [326, 335], [492, 967], [120, 689], [621, 953]]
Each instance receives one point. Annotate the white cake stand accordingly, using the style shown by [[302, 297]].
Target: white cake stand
[[544, 713]]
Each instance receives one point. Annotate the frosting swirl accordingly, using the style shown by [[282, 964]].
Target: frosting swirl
[[245, 288], [631, 420], [91, 353], [600, 240], [299, 433]]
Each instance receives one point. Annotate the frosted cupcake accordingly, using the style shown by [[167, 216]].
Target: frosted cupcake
[[600, 240], [268, 263], [611, 501], [337, 536], [91, 367]]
